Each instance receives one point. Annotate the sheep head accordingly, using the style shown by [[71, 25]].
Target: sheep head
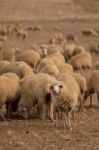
[[56, 87]]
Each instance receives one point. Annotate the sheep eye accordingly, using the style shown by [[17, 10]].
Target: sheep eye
[[61, 86]]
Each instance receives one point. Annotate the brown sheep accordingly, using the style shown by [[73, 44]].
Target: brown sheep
[[71, 37], [50, 69], [7, 54], [92, 86], [4, 63], [54, 48], [65, 68], [35, 92], [32, 58], [10, 92], [89, 32], [22, 69], [71, 50], [82, 60], [43, 63], [57, 38], [83, 88], [94, 48], [97, 65], [56, 59]]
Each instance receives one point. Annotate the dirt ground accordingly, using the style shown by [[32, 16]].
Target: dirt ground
[[34, 134]]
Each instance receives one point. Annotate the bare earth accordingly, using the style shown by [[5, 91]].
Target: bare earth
[[71, 16]]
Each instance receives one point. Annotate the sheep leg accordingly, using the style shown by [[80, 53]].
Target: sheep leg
[[2, 115], [91, 100], [8, 106], [98, 98], [43, 112], [80, 109], [69, 120], [52, 111], [73, 113], [57, 120], [65, 120]]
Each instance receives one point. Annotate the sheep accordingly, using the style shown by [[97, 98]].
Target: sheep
[[10, 29], [79, 49], [64, 97], [92, 86], [65, 68], [50, 69], [71, 37], [54, 48], [20, 32], [11, 76], [1, 45], [9, 93], [4, 63], [7, 54], [37, 28], [35, 92], [82, 60], [89, 32], [97, 65], [43, 63], [3, 30], [14, 105], [3, 38], [43, 50], [22, 69], [32, 58], [83, 88], [56, 59], [57, 38], [94, 48], [57, 28], [71, 50]]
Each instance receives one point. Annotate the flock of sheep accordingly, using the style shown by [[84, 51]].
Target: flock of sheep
[[43, 79]]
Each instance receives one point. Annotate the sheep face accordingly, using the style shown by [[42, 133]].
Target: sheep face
[[44, 51], [56, 88], [23, 112]]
